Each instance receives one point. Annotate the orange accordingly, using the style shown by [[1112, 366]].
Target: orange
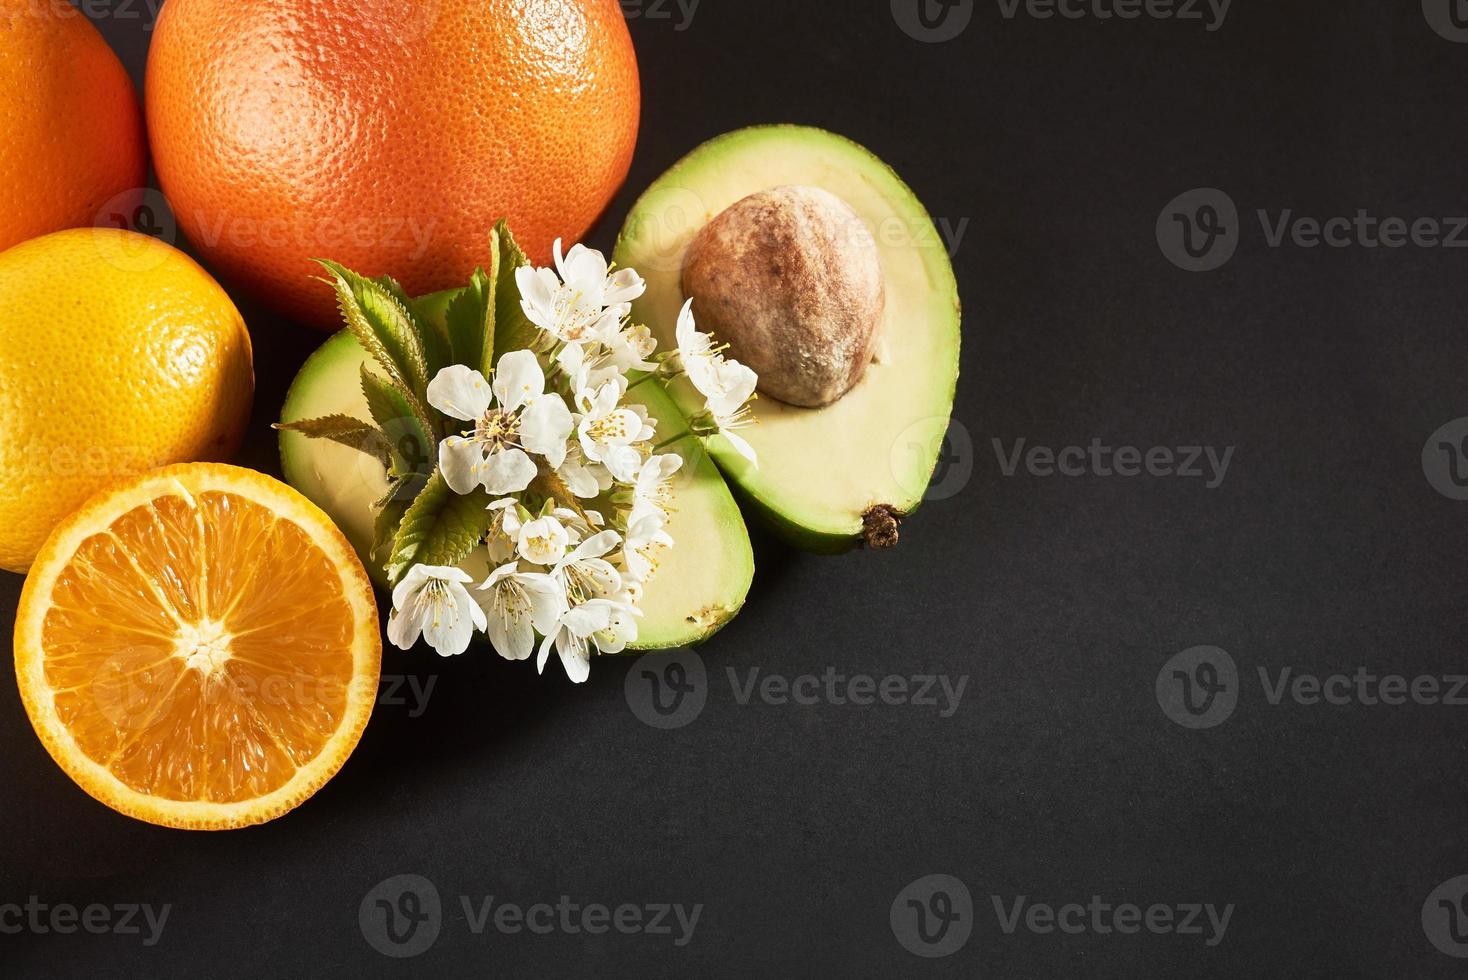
[[118, 354], [73, 151], [198, 647], [385, 135]]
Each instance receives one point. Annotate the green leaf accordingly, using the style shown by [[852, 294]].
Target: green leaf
[[440, 528], [346, 430], [512, 328], [408, 438], [385, 527], [470, 321], [388, 330], [436, 352]]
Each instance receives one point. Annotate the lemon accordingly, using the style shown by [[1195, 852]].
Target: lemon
[[118, 354]]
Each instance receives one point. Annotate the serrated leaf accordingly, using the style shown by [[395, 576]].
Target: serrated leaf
[[470, 322], [436, 352], [440, 528], [387, 330], [512, 328], [346, 430], [409, 441], [385, 527]]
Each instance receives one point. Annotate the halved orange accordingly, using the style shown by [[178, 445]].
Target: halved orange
[[198, 647]]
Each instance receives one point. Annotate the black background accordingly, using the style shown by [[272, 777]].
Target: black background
[[1059, 777]]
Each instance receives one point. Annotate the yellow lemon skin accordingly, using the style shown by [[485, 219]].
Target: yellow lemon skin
[[118, 355]]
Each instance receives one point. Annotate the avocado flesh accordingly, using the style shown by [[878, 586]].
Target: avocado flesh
[[820, 470], [701, 584]]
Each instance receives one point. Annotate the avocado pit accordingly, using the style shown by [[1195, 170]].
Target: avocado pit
[[791, 279]]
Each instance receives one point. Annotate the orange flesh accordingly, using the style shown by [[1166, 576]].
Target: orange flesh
[[200, 649]]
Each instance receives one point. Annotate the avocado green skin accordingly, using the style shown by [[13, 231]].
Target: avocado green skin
[[815, 540], [433, 307]]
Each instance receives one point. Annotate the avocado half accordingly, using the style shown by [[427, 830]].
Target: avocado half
[[828, 478], [703, 580]]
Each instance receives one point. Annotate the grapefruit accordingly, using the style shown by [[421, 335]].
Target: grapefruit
[[387, 136]]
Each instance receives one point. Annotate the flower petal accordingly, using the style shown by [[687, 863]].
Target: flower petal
[[459, 392], [403, 630], [508, 471], [545, 427], [462, 464], [517, 379]]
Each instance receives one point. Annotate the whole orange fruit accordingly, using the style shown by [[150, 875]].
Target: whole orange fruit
[[385, 135], [73, 141]]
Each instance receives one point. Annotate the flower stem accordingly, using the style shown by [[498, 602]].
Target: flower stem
[[642, 380]]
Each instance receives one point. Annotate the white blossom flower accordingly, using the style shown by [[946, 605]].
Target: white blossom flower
[[582, 477], [652, 491], [431, 602], [542, 541], [512, 416], [606, 624], [585, 574], [578, 301], [726, 385], [607, 432], [504, 529], [579, 524], [519, 604], [644, 544]]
